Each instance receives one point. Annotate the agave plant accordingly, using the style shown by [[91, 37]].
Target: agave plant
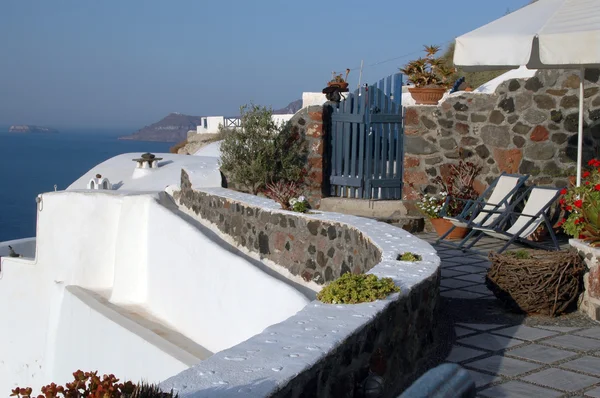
[[429, 71]]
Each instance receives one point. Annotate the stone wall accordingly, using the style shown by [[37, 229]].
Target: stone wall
[[527, 127], [308, 123], [324, 350], [589, 302], [317, 250]]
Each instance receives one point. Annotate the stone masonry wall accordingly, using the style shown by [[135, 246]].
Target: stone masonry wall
[[308, 123], [589, 302], [316, 250], [528, 126], [397, 345]]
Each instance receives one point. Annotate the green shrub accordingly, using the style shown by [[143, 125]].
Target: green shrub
[[261, 151], [354, 289], [408, 256]]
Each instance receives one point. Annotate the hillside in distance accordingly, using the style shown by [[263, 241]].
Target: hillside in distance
[[172, 128]]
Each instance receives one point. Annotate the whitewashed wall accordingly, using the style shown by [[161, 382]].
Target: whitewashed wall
[[232, 300], [91, 336], [136, 252]]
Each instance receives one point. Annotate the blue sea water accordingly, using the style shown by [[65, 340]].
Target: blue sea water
[[33, 163]]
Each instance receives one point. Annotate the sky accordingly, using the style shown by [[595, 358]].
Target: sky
[[115, 64]]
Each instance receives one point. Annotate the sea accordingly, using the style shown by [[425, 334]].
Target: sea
[[31, 164]]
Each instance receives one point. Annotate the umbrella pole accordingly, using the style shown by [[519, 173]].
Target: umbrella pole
[[580, 126]]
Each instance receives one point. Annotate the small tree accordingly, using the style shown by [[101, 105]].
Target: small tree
[[261, 151]]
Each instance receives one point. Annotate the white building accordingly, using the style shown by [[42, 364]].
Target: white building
[[210, 124]]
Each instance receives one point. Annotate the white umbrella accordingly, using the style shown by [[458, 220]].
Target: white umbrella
[[548, 34]]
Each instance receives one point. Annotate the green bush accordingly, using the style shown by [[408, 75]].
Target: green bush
[[261, 151], [354, 289], [408, 256]]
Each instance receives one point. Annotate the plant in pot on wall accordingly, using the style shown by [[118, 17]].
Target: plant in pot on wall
[[430, 76], [582, 205], [457, 190]]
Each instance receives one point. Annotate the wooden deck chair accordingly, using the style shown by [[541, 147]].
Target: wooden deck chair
[[522, 224], [496, 197]]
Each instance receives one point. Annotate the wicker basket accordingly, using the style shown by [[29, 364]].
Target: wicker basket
[[544, 283]]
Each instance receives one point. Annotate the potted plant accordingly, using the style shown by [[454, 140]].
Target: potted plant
[[338, 81], [430, 76], [456, 191], [582, 204]]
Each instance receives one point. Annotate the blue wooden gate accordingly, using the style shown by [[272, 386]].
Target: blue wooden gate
[[367, 142]]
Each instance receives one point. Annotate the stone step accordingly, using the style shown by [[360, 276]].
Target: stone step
[[139, 321]]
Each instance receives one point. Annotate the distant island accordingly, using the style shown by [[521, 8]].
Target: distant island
[[28, 128], [174, 127]]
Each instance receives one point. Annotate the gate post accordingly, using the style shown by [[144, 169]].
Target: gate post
[[311, 124]]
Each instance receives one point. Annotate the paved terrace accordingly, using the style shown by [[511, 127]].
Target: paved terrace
[[511, 355]]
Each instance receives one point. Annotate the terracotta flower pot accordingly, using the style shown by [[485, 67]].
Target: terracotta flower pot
[[442, 226], [427, 95], [343, 85]]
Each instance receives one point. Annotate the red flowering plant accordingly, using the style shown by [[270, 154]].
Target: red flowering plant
[[583, 206]]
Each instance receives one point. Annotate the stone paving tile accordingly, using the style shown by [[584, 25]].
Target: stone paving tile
[[460, 332], [474, 261], [574, 342], [480, 289], [503, 366], [481, 326], [460, 294], [518, 389], [479, 278], [448, 273], [482, 379], [455, 283], [561, 379], [525, 333], [561, 329], [469, 268], [594, 333], [490, 342], [587, 364], [540, 353], [460, 354], [595, 393]]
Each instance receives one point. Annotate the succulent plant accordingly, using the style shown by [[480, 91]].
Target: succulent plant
[[429, 71]]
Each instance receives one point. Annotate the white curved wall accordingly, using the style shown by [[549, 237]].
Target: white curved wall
[[231, 300], [135, 251], [112, 344]]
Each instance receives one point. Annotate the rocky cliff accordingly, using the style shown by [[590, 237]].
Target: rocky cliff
[[172, 128], [28, 128]]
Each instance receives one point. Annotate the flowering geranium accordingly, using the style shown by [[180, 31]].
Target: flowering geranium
[[431, 205], [583, 206]]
